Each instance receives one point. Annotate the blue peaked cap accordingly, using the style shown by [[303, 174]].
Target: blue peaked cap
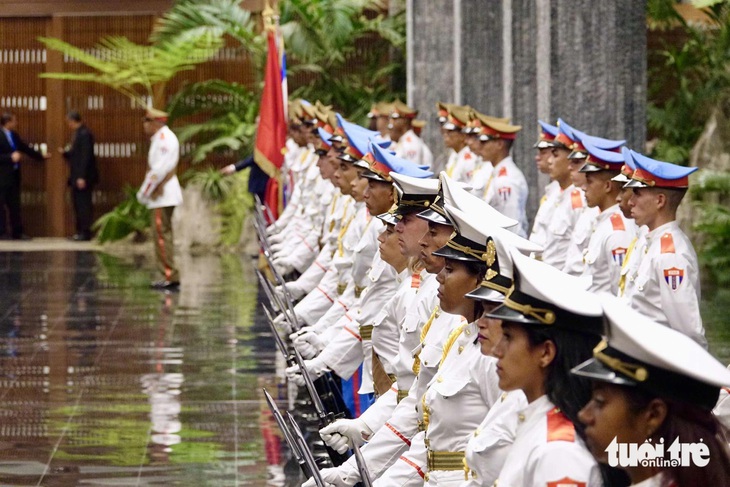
[[552, 130], [653, 173], [601, 160], [600, 142], [398, 164]]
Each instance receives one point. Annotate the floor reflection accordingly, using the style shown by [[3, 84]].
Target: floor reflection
[[105, 382]]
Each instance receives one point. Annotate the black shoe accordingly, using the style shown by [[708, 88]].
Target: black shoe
[[168, 285], [22, 236], [79, 237]]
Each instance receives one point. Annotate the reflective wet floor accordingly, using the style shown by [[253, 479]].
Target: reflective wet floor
[[106, 382]]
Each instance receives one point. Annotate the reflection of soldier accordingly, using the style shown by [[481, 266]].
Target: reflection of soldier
[[163, 390], [82, 316]]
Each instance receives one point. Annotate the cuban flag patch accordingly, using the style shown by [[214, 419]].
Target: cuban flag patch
[[505, 192], [619, 254], [674, 277]]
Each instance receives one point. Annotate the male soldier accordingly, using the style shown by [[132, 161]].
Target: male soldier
[[461, 161], [406, 143], [506, 188], [567, 204], [662, 280], [542, 157], [161, 193], [612, 233], [584, 226]]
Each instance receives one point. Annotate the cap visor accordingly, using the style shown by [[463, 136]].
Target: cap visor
[[577, 155], [485, 294], [505, 313], [621, 178], [434, 217], [374, 177], [587, 167], [635, 183], [389, 218], [594, 369], [449, 253], [542, 144]]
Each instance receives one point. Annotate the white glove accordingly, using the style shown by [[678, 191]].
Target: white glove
[[282, 324], [295, 292], [272, 229], [315, 367], [308, 344], [343, 433], [277, 247], [335, 478], [282, 267]]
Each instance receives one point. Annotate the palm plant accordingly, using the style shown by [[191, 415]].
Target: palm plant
[[140, 72]]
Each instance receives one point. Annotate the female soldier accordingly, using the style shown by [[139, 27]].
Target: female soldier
[[652, 383], [550, 324]]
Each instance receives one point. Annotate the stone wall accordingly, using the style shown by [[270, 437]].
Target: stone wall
[[581, 60]]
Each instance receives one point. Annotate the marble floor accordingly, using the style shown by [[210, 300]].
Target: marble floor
[[106, 382]]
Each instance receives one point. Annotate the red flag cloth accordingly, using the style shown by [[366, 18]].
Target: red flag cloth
[[272, 129]]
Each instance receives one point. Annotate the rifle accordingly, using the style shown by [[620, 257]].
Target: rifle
[[277, 338], [309, 458], [289, 437], [365, 478]]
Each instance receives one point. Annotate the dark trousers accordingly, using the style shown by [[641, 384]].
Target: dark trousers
[[83, 210], [10, 197]]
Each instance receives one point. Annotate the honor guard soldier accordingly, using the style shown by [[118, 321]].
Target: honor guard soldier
[[506, 188], [652, 386], [584, 226], [663, 282], [542, 158], [550, 324], [461, 161], [406, 143], [612, 233], [161, 193], [568, 203]]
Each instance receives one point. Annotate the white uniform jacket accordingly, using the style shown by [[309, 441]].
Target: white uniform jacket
[[547, 452], [568, 206], [162, 159], [507, 192], [665, 286]]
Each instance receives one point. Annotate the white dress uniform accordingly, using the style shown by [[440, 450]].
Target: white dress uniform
[[507, 192], [547, 451], [480, 177], [341, 212], [722, 408], [461, 164], [544, 214], [579, 240], [665, 285], [162, 158], [346, 350], [490, 443], [568, 206], [321, 298], [411, 147], [611, 238]]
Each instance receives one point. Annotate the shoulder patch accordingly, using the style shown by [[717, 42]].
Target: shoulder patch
[[415, 281], [576, 199], [674, 277], [559, 427], [667, 244], [566, 482], [617, 222], [502, 172]]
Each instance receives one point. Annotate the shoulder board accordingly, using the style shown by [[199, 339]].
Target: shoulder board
[[617, 222], [559, 427], [667, 244], [409, 138], [162, 135], [502, 172], [576, 199], [467, 155], [415, 281]]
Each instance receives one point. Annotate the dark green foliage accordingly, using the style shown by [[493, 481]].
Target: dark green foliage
[[129, 216], [712, 194]]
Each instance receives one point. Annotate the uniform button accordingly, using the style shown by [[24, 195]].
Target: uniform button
[[461, 349], [521, 417], [425, 362], [468, 332], [440, 379]]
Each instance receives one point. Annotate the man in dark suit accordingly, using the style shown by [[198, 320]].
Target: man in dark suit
[[11, 148], [84, 174]]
